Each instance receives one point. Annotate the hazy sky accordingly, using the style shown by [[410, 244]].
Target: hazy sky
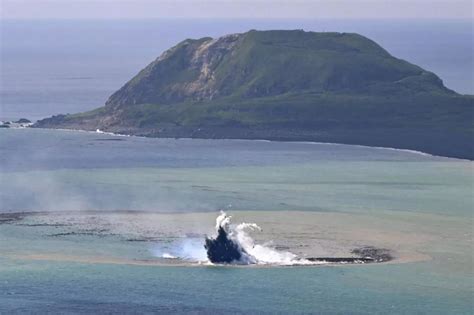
[[80, 9]]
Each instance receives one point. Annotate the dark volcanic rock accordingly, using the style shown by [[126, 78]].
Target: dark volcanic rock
[[23, 121], [7, 218], [368, 254], [222, 249], [376, 254]]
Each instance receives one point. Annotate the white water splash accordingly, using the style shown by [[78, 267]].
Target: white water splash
[[188, 249], [168, 256], [192, 249], [253, 253]]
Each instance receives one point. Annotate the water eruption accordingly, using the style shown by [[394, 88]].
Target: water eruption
[[223, 249], [232, 245]]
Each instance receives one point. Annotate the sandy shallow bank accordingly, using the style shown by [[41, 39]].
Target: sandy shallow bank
[[97, 236]]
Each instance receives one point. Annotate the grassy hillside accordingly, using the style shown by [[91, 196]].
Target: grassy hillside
[[287, 85]]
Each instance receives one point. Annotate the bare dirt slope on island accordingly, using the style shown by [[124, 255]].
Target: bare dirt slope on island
[[287, 85]]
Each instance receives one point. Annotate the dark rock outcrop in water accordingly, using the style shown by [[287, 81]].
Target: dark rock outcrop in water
[[23, 121], [365, 255], [291, 86], [376, 254], [222, 249]]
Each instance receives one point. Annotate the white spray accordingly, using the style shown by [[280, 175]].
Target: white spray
[[253, 253], [192, 249]]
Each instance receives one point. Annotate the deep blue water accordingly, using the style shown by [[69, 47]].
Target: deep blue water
[[59, 66], [40, 149], [71, 170]]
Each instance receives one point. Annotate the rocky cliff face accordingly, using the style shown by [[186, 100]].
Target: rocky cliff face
[[186, 71], [257, 64], [287, 85]]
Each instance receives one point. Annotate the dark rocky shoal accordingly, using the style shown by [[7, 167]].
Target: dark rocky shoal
[[222, 249]]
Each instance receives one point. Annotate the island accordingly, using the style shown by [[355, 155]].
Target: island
[[287, 85]]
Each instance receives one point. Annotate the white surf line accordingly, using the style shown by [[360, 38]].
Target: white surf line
[[260, 140]]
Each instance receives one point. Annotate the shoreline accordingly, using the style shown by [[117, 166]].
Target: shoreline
[[253, 139]]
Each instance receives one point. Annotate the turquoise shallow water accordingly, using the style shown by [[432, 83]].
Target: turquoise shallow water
[[71, 287], [63, 170], [409, 201]]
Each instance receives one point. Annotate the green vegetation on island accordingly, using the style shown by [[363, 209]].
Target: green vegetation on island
[[287, 85]]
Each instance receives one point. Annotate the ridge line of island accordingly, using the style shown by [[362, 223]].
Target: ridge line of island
[[287, 85]]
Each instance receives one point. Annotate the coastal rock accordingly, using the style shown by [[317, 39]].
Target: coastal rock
[[287, 85], [23, 121]]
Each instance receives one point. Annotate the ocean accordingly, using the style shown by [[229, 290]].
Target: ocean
[[99, 223], [114, 224]]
